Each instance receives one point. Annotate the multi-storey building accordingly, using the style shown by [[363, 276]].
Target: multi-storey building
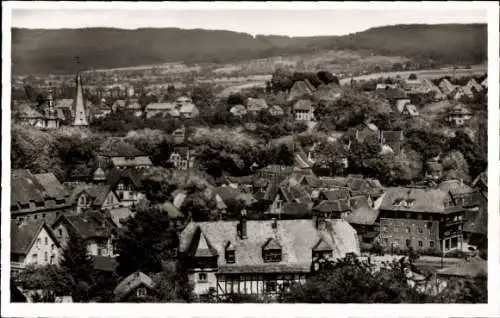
[[421, 218], [260, 257]]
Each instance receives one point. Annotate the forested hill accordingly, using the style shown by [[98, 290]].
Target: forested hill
[[39, 51]]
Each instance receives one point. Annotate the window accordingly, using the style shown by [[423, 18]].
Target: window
[[60, 232], [230, 257], [35, 217], [34, 258], [408, 243], [46, 256], [272, 256], [141, 292], [420, 244], [46, 241], [43, 215], [431, 244], [278, 204], [429, 225], [52, 257], [38, 242], [202, 277], [271, 287], [121, 186]]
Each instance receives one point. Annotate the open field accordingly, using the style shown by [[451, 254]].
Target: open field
[[474, 70]]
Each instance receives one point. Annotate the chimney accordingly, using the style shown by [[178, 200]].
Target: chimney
[[242, 225], [274, 224]]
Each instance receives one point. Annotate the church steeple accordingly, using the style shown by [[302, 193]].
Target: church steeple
[[79, 111], [51, 119]]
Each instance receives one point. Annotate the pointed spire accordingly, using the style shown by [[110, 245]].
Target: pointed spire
[[79, 111]]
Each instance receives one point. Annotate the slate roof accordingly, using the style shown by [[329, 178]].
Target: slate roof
[[97, 193], [130, 283], [341, 193], [27, 188], [160, 106], [361, 212], [481, 179], [425, 200], [477, 222], [22, 237], [297, 238], [89, 225]]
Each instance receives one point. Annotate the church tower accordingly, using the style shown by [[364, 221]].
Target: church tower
[[79, 111], [52, 121]]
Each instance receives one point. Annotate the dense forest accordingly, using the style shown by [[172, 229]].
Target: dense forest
[[38, 51]]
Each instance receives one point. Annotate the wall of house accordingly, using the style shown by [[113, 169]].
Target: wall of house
[[202, 287], [48, 215], [102, 247], [394, 232], [43, 252], [256, 284]]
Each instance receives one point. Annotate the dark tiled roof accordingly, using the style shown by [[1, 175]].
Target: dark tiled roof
[[89, 225], [424, 200], [44, 189], [116, 175], [24, 236], [300, 89], [333, 206], [336, 194]]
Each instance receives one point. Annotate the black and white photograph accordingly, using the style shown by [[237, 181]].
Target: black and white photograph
[[257, 155]]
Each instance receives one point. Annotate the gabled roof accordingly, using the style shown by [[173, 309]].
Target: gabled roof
[[188, 108], [303, 104], [296, 238], [28, 112], [361, 212], [256, 104], [272, 244], [118, 214], [22, 237], [481, 179], [322, 246], [333, 206], [425, 200], [89, 225], [300, 89], [116, 175], [132, 282], [200, 246], [27, 189]]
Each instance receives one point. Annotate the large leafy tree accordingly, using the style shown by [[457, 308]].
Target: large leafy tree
[[77, 267], [148, 239]]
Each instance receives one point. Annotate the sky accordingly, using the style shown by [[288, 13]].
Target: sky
[[275, 22]]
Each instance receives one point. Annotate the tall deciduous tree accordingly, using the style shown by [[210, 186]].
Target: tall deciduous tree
[[148, 240], [77, 267]]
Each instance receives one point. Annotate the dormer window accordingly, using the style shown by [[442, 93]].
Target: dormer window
[[410, 202], [272, 256], [230, 257], [279, 204]]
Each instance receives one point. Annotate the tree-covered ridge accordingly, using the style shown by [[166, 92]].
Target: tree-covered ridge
[[52, 51]]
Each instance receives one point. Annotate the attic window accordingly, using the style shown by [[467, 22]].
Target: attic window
[[230, 257], [141, 292], [410, 202], [272, 256]]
